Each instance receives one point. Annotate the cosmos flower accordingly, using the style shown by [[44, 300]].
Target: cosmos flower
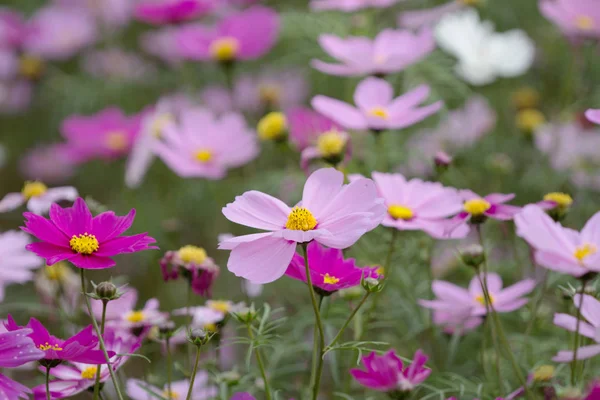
[[593, 115], [12, 28], [16, 264], [47, 164], [329, 271], [333, 214], [247, 35], [557, 248], [349, 5], [483, 55], [376, 107], [332, 147], [38, 197], [391, 51], [477, 209], [59, 286], [109, 13], [573, 17], [78, 348], [416, 19], [17, 348], [15, 96], [306, 125], [193, 264], [163, 44], [204, 146], [456, 321], [117, 65], [387, 373], [87, 242], [588, 327], [138, 390], [161, 12]]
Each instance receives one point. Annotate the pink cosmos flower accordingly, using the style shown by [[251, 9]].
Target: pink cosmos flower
[[38, 197], [306, 125], [12, 28], [17, 349], [117, 65], [78, 348], [349, 5], [78, 377], [87, 242], [106, 135], [110, 13], [456, 321], [194, 265], [138, 390], [163, 44], [415, 19], [242, 396], [590, 310], [573, 17], [247, 35], [161, 12], [391, 51], [376, 107], [333, 214], [388, 373], [48, 163], [329, 271], [593, 115], [204, 146], [476, 209], [418, 205], [16, 264], [557, 248], [15, 96]]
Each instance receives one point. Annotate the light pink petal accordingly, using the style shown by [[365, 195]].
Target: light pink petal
[[301, 236], [258, 210], [350, 50], [583, 353], [231, 243], [569, 323], [591, 231], [510, 305], [515, 291], [496, 198], [451, 293], [593, 115], [409, 100], [373, 92], [320, 188], [399, 121], [493, 281], [11, 201], [590, 308], [542, 233], [336, 69], [390, 187], [340, 112], [356, 197], [504, 212], [346, 231], [559, 263]]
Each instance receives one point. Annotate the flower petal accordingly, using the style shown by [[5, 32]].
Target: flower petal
[[569, 323], [258, 210], [45, 230], [107, 225], [320, 187], [583, 353], [11, 201], [373, 92], [343, 113], [72, 220], [50, 252], [92, 262]]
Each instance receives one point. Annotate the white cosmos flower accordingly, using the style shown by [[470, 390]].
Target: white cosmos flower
[[483, 54]]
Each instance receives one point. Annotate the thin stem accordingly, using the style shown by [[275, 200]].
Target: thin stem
[[99, 334], [577, 326], [315, 354], [534, 311], [48, 383], [348, 320], [260, 362], [194, 372], [102, 323], [169, 365], [489, 323]]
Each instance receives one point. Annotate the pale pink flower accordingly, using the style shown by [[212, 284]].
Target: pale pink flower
[[16, 263], [415, 19], [593, 115], [47, 163], [588, 327], [110, 13], [349, 5], [573, 17], [38, 197], [163, 44], [15, 96], [117, 64]]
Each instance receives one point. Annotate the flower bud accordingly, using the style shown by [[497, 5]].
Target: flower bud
[[371, 284], [560, 204], [473, 255], [442, 161], [198, 337], [245, 315], [166, 330], [106, 291], [272, 126]]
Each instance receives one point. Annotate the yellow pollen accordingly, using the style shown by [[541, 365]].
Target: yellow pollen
[[159, 123], [330, 280], [300, 219], [530, 119], [203, 156], [89, 373], [33, 189], [526, 97], [584, 22], [57, 272], [84, 244], [270, 93], [211, 327], [135, 316], [331, 143], [481, 299], [583, 251], [476, 207], [47, 346], [31, 67], [380, 271], [224, 49], [219, 305], [170, 394], [192, 254], [562, 200], [116, 140], [543, 373], [397, 211], [272, 126], [379, 112]]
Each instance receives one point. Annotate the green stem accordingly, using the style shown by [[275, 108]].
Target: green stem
[[315, 353], [99, 334], [348, 320], [489, 324], [102, 323], [169, 365], [261, 365], [577, 326], [48, 383], [194, 372], [534, 311]]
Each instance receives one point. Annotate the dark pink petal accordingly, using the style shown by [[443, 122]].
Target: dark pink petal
[[44, 229], [107, 225], [50, 252], [12, 390], [17, 348], [74, 220], [84, 337], [92, 262], [40, 334], [125, 244]]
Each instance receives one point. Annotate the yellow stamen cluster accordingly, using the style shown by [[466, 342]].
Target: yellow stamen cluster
[[89, 373], [47, 346], [583, 251], [380, 270], [379, 112], [330, 280], [397, 211], [224, 49], [526, 97], [270, 93], [135, 316], [562, 200], [210, 327], [33, 189], [57, 272], [481, 299], [272, 126], [331, 143], [476, 207], [543, 373], [31, 67], [116, 140], [192, 254], [300, 219], [203, 156], [160, 122], [584, 22], [170, 394], [219, 305], [84, 243], [528, 120]]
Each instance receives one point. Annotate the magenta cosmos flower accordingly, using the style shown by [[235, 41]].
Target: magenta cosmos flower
[[557, 248], [106, 135], [391, 51], [573, 17], [329, 271], [590, 310], [349, 5], [16, 348], [38, 197], [418, 205], [87, 242], [193, 264], [201, 145], [376, 107], [593, 115], [161, 12], [12, 28], [333, 214], [78, 348], [243, 36], [387, 373], [139, 390]]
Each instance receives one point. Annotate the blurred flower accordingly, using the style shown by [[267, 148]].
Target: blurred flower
[[415, 19], [557, 248], [193, 264], [17, 349], [477, 209], [110, 13], [456, 320], [556, 204], [593, 115], [343, 213], [526, 97], [272, 126], [376, 107], [306, 125], [117, 64], [329, 271], [15, 96], [387, 373], [38, 197], [588, 327], [243, 36], [16, 264], [483, 55], [530, 119], [163, 44], [573, 17], [12, 28], [162, 12], [58, 33], [242, 396], [87, 242], [331, 146], [58, 286], [349, 5], [78, 348], [140, 390], [201, 145], [391, 51], [46, 163]]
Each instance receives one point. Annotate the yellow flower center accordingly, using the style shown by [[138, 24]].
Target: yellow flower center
[[272, 126], [170, 394], [379, 112], [562, 200], [135, 316], [192, 254], [57, 272], [584, 22], [300, 219], [159, 123], [33, 189], [330, 280], [331, 143], [203, 156], [526, 98], [481, 299], [219, 305], [269, 93], [89, 372], [210, 327], [116, 140], [476, 207], [224, 49], [84, 244], [583, 251], [47, 346], [380, 270], [31, 67], [529, 120], [543, 373], [397, 211]]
